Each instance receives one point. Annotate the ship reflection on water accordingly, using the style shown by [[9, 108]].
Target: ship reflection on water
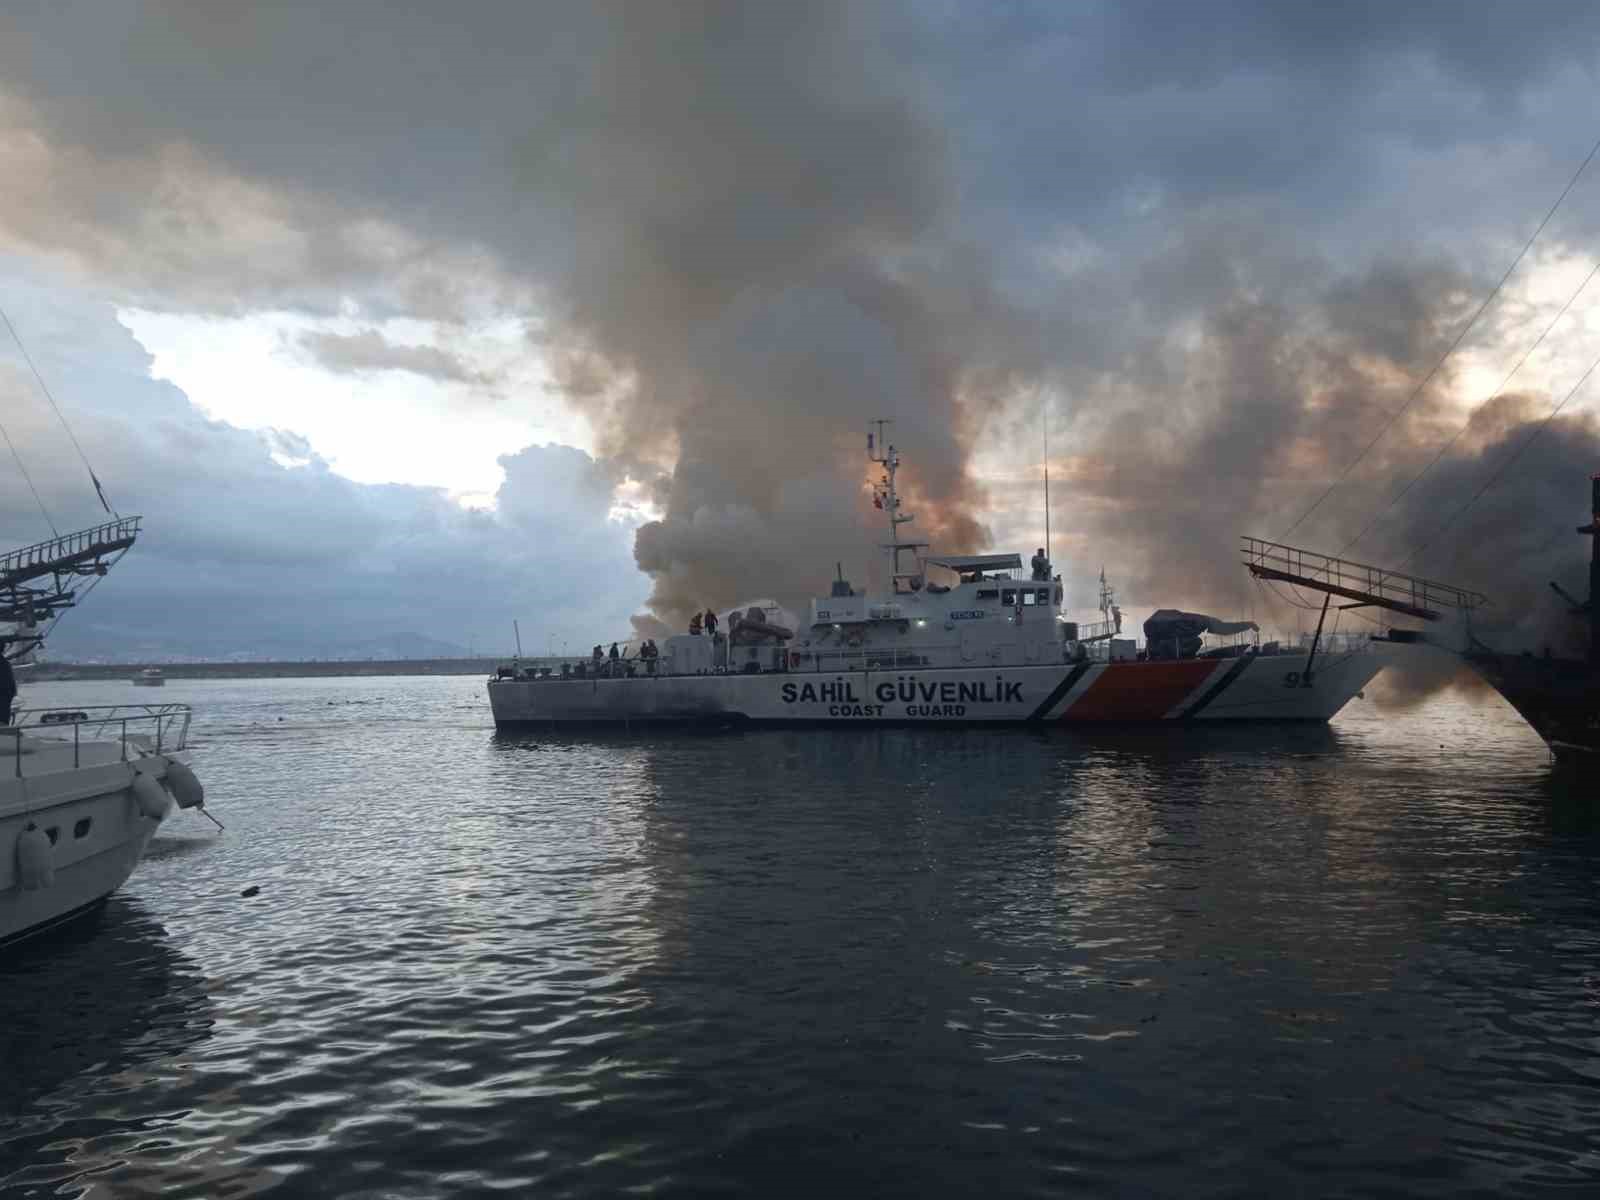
[[88, 1019], [940, 961]]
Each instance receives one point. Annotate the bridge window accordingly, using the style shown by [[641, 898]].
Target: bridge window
[[1008, 597], [1044, 595], [988, 593], [1027, 597], [81, 829]]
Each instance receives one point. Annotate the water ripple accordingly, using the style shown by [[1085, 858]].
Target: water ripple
[[1352, 961]]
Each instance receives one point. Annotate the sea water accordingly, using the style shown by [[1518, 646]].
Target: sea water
[[1352, 960]]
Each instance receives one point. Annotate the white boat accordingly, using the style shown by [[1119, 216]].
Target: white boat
[[149, 677], [954, 639], [81, 790], [81, 793]]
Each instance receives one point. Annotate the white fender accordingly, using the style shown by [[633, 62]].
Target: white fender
[[184, 785], [35, 867], [151, 796]]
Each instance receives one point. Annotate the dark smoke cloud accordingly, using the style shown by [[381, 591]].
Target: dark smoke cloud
[[1244, 422], [1520, 535], [1230, 417], [762, 272], [1230, 239]]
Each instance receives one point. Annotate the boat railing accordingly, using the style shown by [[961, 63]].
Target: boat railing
[[947, 656], [163, 727], [1263, 646], [68, 550], [879, 658], [1377, 587]]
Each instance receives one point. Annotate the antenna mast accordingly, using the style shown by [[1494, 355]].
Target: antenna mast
[[1049, 550], [886, 496]]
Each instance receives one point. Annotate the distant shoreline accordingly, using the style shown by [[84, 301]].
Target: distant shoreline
[[64, 671]]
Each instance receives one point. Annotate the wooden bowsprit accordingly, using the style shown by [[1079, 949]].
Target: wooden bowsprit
[[1363, 585]]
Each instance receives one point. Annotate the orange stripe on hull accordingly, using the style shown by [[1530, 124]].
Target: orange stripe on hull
[[1138, 691]]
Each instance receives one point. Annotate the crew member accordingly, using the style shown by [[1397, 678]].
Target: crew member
[[1041, 566], [614, 655], [694, 624], [711, 623], [8, 688]]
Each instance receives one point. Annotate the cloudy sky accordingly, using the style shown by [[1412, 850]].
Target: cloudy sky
[[416, 318]]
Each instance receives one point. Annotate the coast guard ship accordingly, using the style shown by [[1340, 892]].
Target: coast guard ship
[[956, 638]]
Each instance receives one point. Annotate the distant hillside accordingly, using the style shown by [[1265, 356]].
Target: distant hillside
[[88, 645]]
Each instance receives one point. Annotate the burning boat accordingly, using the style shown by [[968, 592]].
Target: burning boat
[[1559, 696]]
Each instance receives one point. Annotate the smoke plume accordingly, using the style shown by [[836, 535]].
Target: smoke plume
[[761, 273], [1226, 247], [1270, 395]]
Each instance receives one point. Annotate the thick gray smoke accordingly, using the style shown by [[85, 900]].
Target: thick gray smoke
[[738, 231], [1240, 425], [765, 266]]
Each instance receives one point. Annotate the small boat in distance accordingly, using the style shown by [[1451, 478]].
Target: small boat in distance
[[149, 677], [955, 639]]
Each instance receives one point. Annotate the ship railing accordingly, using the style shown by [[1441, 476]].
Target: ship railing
[[68, 551], [162, 727], [1367, 585], [1098, 631], [1330, 643], [883, 658]]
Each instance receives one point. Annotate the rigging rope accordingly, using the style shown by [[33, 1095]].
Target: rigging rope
[[39, 379], [93, 583], [1445, 449], [1504, 463], [29, 480], [1434, 370]]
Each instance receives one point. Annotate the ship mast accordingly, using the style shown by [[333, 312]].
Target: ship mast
[[1593, 607], [1049, 550], [887, 497]]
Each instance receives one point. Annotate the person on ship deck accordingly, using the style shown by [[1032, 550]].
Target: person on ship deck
[[1041, 566]]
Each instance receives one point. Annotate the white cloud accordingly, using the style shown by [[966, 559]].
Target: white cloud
[[391, 426], [240, 552]]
